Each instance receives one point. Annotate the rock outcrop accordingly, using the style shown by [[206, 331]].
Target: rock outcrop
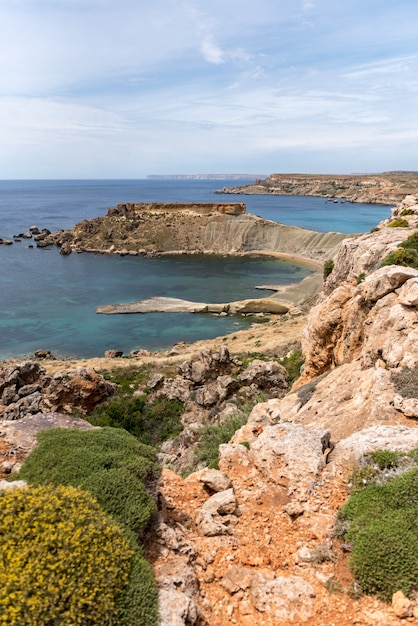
[[26, 389], [186, 229]]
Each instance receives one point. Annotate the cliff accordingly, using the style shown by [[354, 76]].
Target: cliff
[[154, 229], [385, 188]]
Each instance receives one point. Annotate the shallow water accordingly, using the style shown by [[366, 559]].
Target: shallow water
[[49, 301]]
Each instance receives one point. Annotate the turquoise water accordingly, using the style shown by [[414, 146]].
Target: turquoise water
[[49, 301]]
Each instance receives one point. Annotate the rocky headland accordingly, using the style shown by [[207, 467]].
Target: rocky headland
[[156, 229], [385, 188], [254, 542]]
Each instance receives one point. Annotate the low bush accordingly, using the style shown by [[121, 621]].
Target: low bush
[[403, 256], [328, 267], [379, 518], [150, 422], [108, 462], [62, 560], [212, 436], [407, 212], [398, 223]]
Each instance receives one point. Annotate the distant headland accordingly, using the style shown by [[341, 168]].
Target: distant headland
[[205, 176], [385, 188]]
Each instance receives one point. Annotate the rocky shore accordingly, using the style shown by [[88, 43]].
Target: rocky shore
[[385, 188], [254, 542]]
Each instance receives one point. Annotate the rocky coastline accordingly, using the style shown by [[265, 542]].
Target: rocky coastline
[[254, 542], [386, 188]]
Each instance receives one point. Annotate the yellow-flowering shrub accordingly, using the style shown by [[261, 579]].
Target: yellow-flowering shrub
[[62, 560]]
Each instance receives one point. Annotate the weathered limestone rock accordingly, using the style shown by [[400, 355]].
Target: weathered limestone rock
[[237, 578], [290, 456], [370, 321], [285, 599], [401, 605], [25, 389], [362, 255], [218, 505], [177, 608], [265, 374], [214, 479], [349, 451], [207, 364]]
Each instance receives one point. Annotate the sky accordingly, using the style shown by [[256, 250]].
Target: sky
[[128, 88]]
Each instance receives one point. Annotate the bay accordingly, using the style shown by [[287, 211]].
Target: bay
[[48, 300]]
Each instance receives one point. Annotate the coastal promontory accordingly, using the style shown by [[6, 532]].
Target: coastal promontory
[[384, 188]]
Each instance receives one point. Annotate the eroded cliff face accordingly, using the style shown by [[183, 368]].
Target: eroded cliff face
[[210, 229]]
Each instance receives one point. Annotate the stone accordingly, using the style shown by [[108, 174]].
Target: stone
[[408, 293], [177, 608], [401, 605], [113, 354], [219, 505], [5, 485], [265, 374], [214, 479], [284, 599], [237, 578], [385, 280], [350, 451], [288, 454]]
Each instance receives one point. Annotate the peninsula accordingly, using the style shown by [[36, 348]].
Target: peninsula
[[154, 229]]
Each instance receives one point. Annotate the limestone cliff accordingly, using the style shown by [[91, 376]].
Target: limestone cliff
[[386, 188], [203, 228]]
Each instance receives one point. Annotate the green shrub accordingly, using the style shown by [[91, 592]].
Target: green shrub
[[380, 521], [398, 223], [213, 435], [407, 212], [62, 560], [150, 422], [292, 364], [385, 459], [137, 605], [109, 462], [328, 267], [406, 257], [410, 242], [360, 278], [385, 554]]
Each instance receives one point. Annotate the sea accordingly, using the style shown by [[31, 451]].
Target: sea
[[48, 301]]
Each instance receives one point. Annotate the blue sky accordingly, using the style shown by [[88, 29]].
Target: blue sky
[[127, 88]]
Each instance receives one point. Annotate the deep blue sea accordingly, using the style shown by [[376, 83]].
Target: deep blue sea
[[49, 301]]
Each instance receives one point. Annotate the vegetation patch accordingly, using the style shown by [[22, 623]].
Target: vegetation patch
[[406, 381], [379, 519], [399, 222], [403, 256], [63, 560], [328, 267], [108, 462], [212, 436], [150, 422]]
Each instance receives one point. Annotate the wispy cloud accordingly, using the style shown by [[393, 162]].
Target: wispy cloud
[[130, 87]]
